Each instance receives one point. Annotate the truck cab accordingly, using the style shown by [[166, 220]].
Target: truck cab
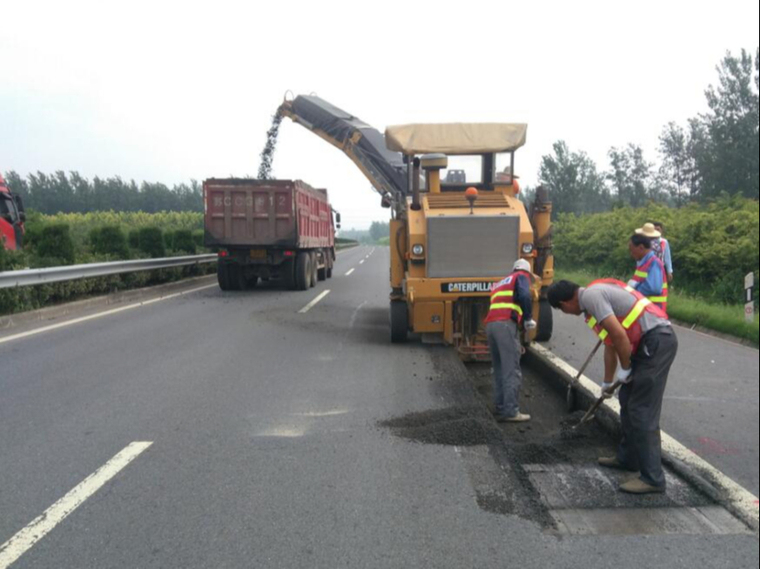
[[12, 218]]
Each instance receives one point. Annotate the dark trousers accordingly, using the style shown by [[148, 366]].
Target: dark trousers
[[641, 405]]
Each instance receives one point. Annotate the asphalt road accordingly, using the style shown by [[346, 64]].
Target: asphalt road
[[712, 402], [266, 450]]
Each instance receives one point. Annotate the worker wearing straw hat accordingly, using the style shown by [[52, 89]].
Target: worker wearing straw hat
[[650, 278]]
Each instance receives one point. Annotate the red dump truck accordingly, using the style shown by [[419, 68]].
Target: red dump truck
[[12, 218], [269, 229]]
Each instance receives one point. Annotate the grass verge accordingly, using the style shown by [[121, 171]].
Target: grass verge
[[723, 318]]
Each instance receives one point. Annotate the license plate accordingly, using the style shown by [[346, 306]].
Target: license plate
[[258, 254]]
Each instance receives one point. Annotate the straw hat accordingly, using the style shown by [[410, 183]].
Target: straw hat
[[649, 231]]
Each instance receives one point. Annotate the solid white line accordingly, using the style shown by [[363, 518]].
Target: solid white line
[[24, 540], [349, 273], [99, 315], [736, 495], [313, 303]]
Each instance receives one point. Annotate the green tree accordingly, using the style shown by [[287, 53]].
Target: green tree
[[631, 176], [573, 181], [730, 161], [378, 230]]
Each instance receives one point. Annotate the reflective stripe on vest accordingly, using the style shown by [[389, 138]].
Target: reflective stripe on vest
[[642, 274], [502, 301], [630, 322]]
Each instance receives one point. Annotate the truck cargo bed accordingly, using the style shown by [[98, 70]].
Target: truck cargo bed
[[267, 213]]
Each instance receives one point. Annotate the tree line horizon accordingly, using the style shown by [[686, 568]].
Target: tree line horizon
[[714, 154]]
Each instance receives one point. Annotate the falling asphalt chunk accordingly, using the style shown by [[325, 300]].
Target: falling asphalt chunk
[[267, 155]]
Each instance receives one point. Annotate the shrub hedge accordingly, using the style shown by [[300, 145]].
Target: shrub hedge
[[714, 246]]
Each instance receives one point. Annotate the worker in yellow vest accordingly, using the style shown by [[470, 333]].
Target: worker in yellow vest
[[641, 347], [511, 309]]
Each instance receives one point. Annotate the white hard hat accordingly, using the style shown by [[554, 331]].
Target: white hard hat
[[522, 265]]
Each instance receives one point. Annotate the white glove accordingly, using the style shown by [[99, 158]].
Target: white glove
[[633, 284], [624, 376], [530, 325], [605, 388]]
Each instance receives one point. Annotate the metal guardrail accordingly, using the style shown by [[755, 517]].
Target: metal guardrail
[[31, 277]]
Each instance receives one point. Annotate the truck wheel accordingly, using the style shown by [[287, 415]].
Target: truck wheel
[[314, 270], [241, 281], [330, 263], [399, 322], [322, 273], [223, 276], [303, 271], [545, 322], [288, 274]]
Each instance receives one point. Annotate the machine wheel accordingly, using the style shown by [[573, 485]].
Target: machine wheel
[[314, 270], [399, 322], [303, 271], [223, 276], [545, 322]]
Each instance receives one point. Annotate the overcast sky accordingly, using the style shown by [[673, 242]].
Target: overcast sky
[[170, 91]]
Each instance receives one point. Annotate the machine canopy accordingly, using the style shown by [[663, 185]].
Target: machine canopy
[[456, 138]]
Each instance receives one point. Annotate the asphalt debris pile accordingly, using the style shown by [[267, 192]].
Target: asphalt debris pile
[[267, 155], [463, 427]]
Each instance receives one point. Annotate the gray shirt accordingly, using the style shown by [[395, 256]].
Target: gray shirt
[[602, 301]]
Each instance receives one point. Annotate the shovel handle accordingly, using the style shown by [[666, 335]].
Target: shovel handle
[[592, 412], [587, 363]]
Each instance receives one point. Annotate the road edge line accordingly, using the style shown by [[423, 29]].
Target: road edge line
[[726, 492]]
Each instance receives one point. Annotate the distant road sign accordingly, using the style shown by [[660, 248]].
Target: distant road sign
[[749, 281]]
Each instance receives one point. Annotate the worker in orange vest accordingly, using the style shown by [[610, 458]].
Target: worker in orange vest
[[641, 347], [511, 308]]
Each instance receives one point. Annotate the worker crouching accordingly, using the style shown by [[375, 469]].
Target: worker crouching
[[639, 337], [511, 307]]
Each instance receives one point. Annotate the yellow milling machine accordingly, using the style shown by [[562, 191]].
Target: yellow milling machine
[[458, 224]]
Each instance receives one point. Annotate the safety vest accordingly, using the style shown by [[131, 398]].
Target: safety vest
[[503, 304], [642, 274], [632, 321]]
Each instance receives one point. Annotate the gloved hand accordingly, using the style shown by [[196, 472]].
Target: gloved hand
[[530, 325], [633, 284], [606, 388], [624, 376]]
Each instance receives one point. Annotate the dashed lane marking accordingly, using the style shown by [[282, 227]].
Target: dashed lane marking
[[100, 315], [351, 272], [24, 540], [314, 302]]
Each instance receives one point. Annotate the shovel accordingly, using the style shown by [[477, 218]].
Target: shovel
[[592, 412], [570, 399]]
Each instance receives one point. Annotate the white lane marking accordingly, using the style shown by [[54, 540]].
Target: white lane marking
[[351, 272], [99, 315], [313, 303], [24, 540], [739, 499], [362, 261]]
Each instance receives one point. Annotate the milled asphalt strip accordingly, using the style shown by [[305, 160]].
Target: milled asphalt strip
[[24, 540], [734, 497], [100, 315], [313, 303]]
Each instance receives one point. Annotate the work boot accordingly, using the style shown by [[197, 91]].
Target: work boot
[[519, 418], [615, 464], [639, 487]]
